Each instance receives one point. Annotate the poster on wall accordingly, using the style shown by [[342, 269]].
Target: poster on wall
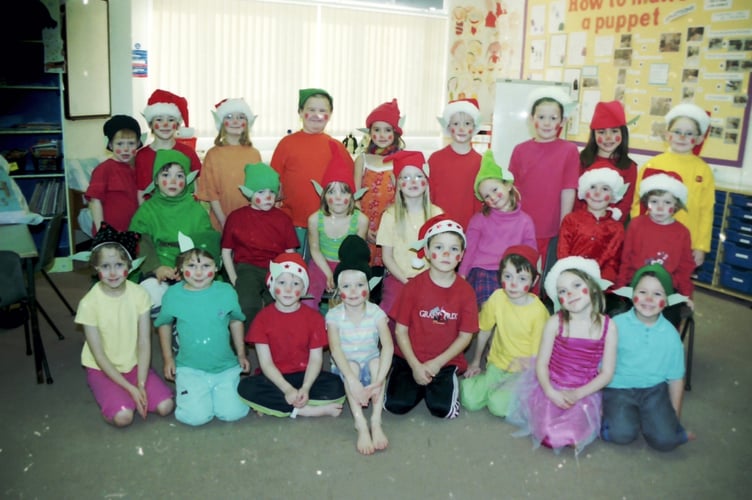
[[650, 56], [485, 44]]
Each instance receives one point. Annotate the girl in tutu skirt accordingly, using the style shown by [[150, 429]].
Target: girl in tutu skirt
[[559, 404]]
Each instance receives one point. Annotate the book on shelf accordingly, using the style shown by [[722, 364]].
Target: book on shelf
[[48, 197]]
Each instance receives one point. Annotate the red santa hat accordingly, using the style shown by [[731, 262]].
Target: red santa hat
[[468, 106], [608, 115], [435, 225], [291, 263], [659, 180], [338, 170], [402, 159], [164, 103], [386, 112], [527, 252], [232, 105]]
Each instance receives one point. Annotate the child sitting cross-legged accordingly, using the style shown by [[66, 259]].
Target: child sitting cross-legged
[[290, 340], [517, 317]]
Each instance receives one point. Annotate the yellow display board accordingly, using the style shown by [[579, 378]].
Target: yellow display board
[[650, 55]]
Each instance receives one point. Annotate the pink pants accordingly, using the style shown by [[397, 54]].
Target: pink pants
[[112, 398]]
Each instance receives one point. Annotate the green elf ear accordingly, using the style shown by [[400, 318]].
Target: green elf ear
[[359, 193], [373, 282], [317, 187], [191, 177]]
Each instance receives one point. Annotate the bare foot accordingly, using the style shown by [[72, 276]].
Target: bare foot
[[330, 410], [364, 445], [380, 441], [691, 436]]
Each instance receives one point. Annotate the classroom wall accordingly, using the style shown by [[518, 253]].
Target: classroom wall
[[130, 24]]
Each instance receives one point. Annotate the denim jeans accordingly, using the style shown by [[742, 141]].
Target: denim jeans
[[627, 412]]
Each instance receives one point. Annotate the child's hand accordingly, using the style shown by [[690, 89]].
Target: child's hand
[[302, 399], [291, 396], [558, 398], [472, 370], [371, 236], [139, 397], [699, 257], [422, 374], [359, 393], [245, 365], [169, 369], [374, 390], [330, 283], [571, 396], [166, 273]]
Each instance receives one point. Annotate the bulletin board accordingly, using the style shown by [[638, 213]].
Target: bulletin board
[[650, 56]]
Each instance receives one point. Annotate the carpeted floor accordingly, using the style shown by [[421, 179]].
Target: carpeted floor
[[53, 443]]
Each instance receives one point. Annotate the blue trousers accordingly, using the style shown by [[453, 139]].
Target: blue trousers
[[627, 412]]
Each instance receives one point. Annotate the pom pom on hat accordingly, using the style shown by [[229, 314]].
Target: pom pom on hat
[[551, 92], [435, 225], [305, 94], [528, 253], [588, 266], [489, 169], [604, 175], [659, 180], [386, 112], [691, 111], [402, 159], [291, 263], [259, 176], [354, 255], [468, 106], [230, 106], [608, 115], [162, 102], [118, 123]]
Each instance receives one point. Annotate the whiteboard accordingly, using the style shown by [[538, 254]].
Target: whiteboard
[[510, 117]]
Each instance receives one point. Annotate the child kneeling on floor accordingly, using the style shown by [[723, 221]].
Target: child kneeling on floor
[[115, 317], [290, 341], [645, 395], [206, 371]]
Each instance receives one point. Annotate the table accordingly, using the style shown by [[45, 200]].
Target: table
[[17, 238]]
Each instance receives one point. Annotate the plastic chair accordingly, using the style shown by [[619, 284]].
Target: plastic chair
[[47, 250]]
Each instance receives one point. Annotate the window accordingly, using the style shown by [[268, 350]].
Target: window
[[266, 51]]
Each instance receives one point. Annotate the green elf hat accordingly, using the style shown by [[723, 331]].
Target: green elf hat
[[354, 255], [338, 170], [259, 176], [663, 276], [305, 94], [208, 241], [168, 157], [489, 169]]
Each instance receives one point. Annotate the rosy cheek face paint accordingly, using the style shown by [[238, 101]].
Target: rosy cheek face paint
[[403, 184], [434, 256], [452, 130], [422, 183], [599, 140], [268, 197], [661, 303], [588, 195], [561, 300], [671, 210], [504, 285], [297, 293], [326, 117], [607, 197], [257, 200], [635, 300], [164, 183], [210, 274], [174, 126], [227, 123], [526, 288], [343, 296], [390, 138], [617, 138], [181, 184], [457, 257], [187, 274], [125, 273], [364, 294], [585, 291], [306, 116], [118, 151], [101, 275], [692, 141]]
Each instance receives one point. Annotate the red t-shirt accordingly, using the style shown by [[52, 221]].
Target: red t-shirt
[[113, 183], [290, 336], [145, 163], [435, 316], [257, 236], [452, 181]]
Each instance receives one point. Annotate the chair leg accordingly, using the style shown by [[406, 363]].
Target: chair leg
[[58, 292], [49, 321], [27, 334], [688, 331]]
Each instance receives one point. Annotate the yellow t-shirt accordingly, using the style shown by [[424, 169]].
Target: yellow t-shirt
[[401, 242]]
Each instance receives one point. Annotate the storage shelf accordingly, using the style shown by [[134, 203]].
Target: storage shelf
[[29, 87], [31, 131], [37, 175]]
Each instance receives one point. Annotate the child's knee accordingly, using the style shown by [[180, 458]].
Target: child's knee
[[618, 434], [666, 442], [123, 418], [165, 407]]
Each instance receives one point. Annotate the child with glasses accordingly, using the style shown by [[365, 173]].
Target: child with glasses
[[687, 126]]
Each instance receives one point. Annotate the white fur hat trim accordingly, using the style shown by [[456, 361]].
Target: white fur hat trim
[[604, 175], [588, 266], [233, 105], [692, 111], [664, 182]]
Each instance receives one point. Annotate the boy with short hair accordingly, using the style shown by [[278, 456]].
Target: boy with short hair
[[253, 236], [164, 113], [657, 237], [436, 318], [646, 392], [289, 341], [517, 317], [454, 167], [112, 190], [304, 156]]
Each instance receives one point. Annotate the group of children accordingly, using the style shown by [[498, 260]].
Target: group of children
[[292, 234]]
